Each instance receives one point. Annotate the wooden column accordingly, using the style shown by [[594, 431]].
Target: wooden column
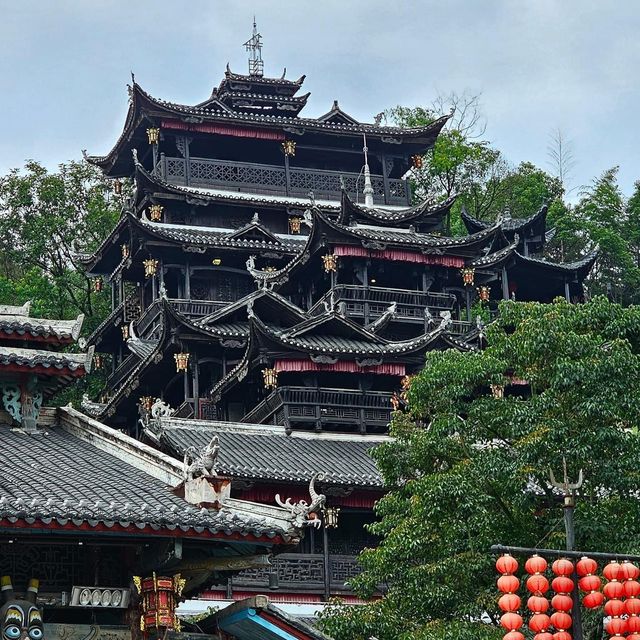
[[327, 564], [385, 177], [505, 284], [196, 385], [187, 282], [567, 291], [287, 174]]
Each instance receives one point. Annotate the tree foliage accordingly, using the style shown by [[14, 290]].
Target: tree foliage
[[46, 220], [467, 469]]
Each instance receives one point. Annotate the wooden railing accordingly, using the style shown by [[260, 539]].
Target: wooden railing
[[319, 407], [271, 179], [197, 308], [122, 371], [371, 302], [302, 572]]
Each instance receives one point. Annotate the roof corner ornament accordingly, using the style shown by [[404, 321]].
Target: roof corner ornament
[[307, 218], [377, 120], [254, 46], [160, 409], [256, 218], [201, 463], [368, 187], [312, 198], [305, 514], [446, 321], [428, 317]]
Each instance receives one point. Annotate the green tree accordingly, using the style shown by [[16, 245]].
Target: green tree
[[603, 218], [468, 469], [46, 220]]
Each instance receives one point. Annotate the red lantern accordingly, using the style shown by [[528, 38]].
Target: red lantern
[[613, 590], [539, 622], [593, 600], [633, 624], [590, 583], [545, 635], [509, 602], [562, 567], [586, 566], [506, 564], [633, 636], [535, 564], [613, 571], [631, 588], [616, 626], [508, 584], [562, 635], [562, 584], [537, 584], [561, 620], [511, 621], [630, 571], [537, 604], [513, 635], [614, 608], [632, 606], [562, 602]]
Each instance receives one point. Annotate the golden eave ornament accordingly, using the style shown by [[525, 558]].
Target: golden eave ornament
[[182, 361], [153, 134], [295, 223], [330, 262], [155, 212], [468, 276], [289, 148], [270, 378], [150, 267]]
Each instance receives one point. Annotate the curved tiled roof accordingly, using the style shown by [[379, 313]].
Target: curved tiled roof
[[100, 489], [508, 224], [20, 326], [263, 452], [427, 209], [51, 360]]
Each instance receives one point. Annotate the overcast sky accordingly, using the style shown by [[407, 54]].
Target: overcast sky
[[540, 65]]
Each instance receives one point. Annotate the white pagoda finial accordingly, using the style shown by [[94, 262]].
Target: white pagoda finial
[[254, 47], [368, 187]]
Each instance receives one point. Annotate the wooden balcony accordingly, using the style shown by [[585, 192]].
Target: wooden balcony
[[279, 181], [302, 572], [319, 408], [369, 303]]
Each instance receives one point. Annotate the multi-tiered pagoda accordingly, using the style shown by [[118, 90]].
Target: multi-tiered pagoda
[[275, 283]]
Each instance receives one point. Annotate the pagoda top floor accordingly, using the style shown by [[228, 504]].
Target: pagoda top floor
[[249, 137]]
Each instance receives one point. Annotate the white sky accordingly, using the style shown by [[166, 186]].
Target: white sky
[[540, 65]]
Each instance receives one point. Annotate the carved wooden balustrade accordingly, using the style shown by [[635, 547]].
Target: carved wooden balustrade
[[319, 407], [274, 180], [303, 572], [370, 303]]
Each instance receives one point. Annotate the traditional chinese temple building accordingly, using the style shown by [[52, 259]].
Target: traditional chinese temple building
[[274, 282]]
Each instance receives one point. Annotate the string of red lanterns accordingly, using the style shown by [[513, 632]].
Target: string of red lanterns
[[620, 596], [509, 602]]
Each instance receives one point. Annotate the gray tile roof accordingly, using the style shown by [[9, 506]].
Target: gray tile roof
[[20, 324], [48, 359], [219, 237], [71, 480], [266, 452]]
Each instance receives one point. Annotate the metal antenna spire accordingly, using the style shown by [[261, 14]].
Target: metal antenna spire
[[254, 47], [368, 187]]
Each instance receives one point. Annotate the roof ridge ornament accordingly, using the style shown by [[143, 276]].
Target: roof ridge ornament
[[304, 514], [254, 46]]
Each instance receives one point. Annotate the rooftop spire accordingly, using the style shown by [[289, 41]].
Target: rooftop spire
[[254, 47], [368, 187]]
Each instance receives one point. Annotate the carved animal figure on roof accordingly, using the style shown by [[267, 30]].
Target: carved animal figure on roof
[[304, 514], [21, 618], [202, 463]]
